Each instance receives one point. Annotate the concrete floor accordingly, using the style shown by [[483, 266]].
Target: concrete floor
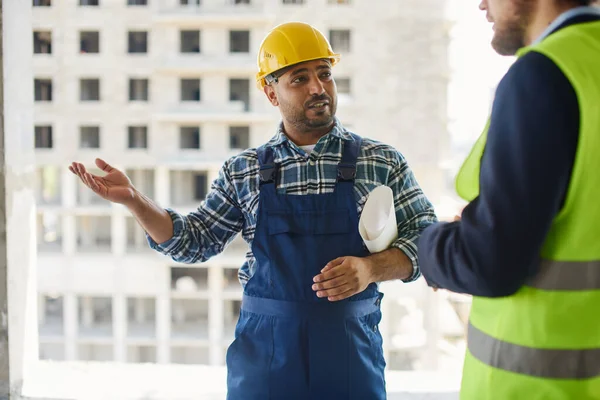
[[103, 381]]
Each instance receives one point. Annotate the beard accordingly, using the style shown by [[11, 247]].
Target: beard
[[298, 117], [509, 35]]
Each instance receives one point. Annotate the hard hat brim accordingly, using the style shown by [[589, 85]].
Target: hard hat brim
[[260, 79]]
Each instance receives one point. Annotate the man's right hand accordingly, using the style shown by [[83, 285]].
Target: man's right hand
[[115, 186]]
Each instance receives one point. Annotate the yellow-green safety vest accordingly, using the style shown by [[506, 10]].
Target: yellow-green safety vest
[[543, 342]]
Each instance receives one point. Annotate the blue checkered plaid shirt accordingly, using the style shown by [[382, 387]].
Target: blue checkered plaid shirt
[[231, 205]]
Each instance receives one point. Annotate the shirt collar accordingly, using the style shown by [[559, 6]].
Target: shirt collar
[[337, 131], [564, 17]]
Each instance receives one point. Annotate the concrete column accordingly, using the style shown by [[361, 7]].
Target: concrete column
[[432, 327], [118, 236], [41, 309], [178, 194], [215, 315], [215, 139], [68, 188], [87, 232], [69, 235], [163, 328], [87, 311], [18, 302], [70, 326], [140, 310], [39, 186], [156, 5], [68, 222], [119, 328], [161, 186], [214, 41], [215, 91]]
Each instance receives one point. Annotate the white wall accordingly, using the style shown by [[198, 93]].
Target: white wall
[[18, 333]]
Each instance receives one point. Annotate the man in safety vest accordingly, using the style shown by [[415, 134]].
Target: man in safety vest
[[528, 244], [308, 327]]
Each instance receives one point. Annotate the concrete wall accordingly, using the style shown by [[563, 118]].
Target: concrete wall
[[18, 333]]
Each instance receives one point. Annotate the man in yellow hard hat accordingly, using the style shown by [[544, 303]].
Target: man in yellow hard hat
[[308, 327]]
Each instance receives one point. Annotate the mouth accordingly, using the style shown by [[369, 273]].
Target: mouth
[[319, 105]]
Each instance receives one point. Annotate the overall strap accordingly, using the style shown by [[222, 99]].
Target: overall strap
[[347, 166], [268, 168]]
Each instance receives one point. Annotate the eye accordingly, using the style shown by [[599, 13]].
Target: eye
[[299, 79]]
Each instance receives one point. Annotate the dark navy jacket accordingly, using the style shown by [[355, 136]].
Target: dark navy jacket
[[525, 173]]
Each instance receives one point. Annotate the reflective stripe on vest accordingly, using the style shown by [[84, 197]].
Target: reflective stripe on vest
[[542, 363], [567, 275]]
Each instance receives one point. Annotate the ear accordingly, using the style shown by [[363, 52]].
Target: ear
[[271, 95]]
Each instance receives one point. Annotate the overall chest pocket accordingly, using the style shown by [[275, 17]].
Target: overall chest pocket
[[309, 223]]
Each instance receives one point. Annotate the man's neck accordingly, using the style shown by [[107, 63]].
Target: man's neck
[[546, 13], [305, 138]]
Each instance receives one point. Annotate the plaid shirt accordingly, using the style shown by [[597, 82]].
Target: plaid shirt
[[231, 206]]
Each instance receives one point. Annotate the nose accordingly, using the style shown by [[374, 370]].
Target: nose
[[483, 5], [316, 87]]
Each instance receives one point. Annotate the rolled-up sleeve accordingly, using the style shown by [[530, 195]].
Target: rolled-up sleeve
[[414, 212], [206, 231]]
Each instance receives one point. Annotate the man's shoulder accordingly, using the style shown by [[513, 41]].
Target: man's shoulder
[[534, 83], [246, 161], [533, 72], [374, 145], [372, 148], [249, 158]]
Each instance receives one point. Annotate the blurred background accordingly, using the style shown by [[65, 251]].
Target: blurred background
[[164, 89]]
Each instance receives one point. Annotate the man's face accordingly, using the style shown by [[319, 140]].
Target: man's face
[[306, 95], [511, 19]]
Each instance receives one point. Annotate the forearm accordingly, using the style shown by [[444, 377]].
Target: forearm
[[414, 212], [154, 219], [390, 265]]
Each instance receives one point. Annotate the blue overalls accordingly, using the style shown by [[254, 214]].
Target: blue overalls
[[289, 344]]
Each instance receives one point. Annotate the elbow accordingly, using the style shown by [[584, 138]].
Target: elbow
[[500, 271], [190, 256], [184, 254], [498, 282], [496, 291], [184, 259]]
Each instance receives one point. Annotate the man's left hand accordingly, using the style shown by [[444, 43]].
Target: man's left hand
[[343, 277]]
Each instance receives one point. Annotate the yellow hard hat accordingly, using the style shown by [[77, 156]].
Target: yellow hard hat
[[288, 44]]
